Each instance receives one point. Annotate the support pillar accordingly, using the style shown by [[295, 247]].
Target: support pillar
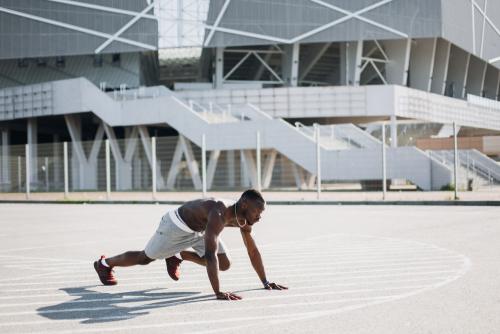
[[146, 144], [244, 173], [212, 165], [476, 76], [291, 64], [422, 58], [396, 69], [84, 170], [457, 73], [350, 62], [491, 80], [56, 159], [358, 60], [267, 172], [219, 68], [394, 132], [4, 168], [441, 64], [231, 167], [184, 148], [123, 164], [32, 132]]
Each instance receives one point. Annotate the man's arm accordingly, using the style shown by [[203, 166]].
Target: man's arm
[[256, 259], [214, 226]]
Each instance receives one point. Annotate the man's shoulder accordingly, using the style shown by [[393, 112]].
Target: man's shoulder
[[218, 203]]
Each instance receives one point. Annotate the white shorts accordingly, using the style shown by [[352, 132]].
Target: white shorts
[[173, 236]]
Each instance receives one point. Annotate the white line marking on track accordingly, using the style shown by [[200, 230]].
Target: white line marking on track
[[180, 288], [414, 268]]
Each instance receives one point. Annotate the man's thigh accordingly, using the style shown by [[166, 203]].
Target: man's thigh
[[199, 247]]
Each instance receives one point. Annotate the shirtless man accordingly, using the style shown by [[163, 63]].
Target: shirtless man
[[197, 224]]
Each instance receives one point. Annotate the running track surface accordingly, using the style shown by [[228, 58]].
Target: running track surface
[[356, 269]]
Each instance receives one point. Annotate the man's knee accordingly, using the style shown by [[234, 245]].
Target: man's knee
[[224, 263], [144, 259]]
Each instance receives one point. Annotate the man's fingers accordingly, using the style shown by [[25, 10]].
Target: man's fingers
[[228, 296], [274, 286], [234, 297]]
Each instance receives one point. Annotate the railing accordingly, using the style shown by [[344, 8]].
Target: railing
[[469, 164]]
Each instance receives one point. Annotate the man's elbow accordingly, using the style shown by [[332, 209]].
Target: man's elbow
[[210, 257]]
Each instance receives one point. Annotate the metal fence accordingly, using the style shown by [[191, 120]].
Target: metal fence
[[336, 158]]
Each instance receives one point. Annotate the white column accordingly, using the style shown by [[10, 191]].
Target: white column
[[291, 64], [455, 169], [28, 169], [318, 160], [153, 165], [5, 160], [357, 65], [219, 68], [66, 178], [204, 166], [258, 152], [394, 131], [108, 170], [244, 174], [33, 142], [384, 169], [230, 168], [56, 160]]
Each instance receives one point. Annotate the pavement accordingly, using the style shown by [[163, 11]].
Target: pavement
[[349, 269]]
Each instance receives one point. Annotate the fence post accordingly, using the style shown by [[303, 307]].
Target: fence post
[[455, 169], [204, 165], [19, 179], [46, 164], [384, 163], [259, 167], [153, 165], [28, 172], [318, 161], [108, 170], [65, 158]]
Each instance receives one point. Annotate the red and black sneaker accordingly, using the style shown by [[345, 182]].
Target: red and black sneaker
[[173, 267], [105, 273]]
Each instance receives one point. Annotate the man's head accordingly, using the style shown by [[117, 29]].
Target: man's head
[[250, 205]]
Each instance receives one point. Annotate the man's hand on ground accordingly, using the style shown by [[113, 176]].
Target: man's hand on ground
[[274, 286], [227, 296]]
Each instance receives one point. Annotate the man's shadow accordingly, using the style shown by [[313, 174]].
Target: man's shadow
[[95, 307]]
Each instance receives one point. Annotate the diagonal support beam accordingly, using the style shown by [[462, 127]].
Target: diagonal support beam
[[217, 22], [124, 28], [268, 169], [251, 166], [212, 165], [76, 28], [183, 147], [146, 145]]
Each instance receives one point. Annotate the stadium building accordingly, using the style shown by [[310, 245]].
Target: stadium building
[[246, 80]]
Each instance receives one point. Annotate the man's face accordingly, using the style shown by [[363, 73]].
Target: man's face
[[253, 211]]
